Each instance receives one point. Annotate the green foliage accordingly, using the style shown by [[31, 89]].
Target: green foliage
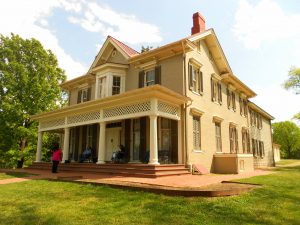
[[293, 82], [287, 134], [146, 49], [45, 202], [29, 84]]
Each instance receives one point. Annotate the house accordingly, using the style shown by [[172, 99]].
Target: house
[[177, 104]]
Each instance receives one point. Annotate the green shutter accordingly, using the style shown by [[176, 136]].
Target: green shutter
[[89, 93], [141, 79], [200, 81], [158, 75], [79, 96], [190, 77]]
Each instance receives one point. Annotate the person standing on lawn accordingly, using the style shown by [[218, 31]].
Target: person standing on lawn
[[56, 157]]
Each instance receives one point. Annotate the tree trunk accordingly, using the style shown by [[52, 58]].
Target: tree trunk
[[22, 147]]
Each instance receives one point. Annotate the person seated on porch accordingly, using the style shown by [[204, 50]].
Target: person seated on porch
[[119, 156], [87, 153]]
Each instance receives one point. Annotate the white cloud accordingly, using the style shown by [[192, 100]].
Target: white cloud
[[29, 19], [278, 102], [265, 21], [102, 19]]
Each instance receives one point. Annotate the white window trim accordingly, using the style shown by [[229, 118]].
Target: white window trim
[[109, 81], [145, 76]]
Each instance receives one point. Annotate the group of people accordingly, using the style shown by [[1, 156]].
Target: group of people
[[117, 157]]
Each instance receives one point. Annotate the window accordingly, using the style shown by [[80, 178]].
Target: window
[[243, 107], [216, 91], [150, 77], [255, 119], [233, 136], [196, 133], [231, 100], [196, 79], [84, 95], [116, 85], [102, 87], [218, 137], [246, 141]]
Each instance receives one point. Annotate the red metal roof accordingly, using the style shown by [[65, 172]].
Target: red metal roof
[[129, 51]]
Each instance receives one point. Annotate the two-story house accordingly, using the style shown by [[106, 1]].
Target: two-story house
[[178, 103]]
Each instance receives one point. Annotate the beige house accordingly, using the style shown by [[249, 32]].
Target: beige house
[[177, 104]]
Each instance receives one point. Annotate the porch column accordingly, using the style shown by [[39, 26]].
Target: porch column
[[153, 141], [102, 143], [66, 144], [39, 147]]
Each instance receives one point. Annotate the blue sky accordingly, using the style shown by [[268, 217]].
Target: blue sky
[[260, 38]]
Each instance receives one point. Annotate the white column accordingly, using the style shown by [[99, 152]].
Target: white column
[[66, 144], [102, 143], [179, 143], [153, 141], [39, 147]]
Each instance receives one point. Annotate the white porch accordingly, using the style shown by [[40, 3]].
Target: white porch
[[154, 103]]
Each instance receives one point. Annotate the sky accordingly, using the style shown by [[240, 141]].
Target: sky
[[260, 38]]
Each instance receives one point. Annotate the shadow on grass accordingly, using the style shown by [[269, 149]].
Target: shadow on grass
[[19, 174]]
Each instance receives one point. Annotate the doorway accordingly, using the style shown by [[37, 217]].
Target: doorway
[[113, 140]]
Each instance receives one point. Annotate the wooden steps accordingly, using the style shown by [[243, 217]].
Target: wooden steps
[[132, 170]]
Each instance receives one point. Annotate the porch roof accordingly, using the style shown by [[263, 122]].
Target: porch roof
[[147, 93]]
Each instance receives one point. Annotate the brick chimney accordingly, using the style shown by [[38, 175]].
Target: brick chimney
[[198, 23]]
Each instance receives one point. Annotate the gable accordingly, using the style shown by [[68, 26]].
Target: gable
[[113, 51], [111, 55]]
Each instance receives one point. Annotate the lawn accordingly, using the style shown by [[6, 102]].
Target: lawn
[[45, 202], [287, 161]]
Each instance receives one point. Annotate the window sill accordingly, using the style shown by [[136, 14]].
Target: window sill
[[217, 103], [197, 93], [197, 151]]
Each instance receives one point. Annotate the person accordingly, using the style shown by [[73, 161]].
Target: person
[[86, 154], [56, 157], [119, 156]]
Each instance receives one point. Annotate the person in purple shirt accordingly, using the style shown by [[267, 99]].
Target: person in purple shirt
[[56, 157]]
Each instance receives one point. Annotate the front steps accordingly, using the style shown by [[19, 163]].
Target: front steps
[[131, 170]]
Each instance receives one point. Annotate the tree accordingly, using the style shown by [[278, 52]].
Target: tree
[[29, 84], [293, 82], [146, 49], [287, 134]]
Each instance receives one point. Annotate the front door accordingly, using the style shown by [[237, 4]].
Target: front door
[[112, 141]]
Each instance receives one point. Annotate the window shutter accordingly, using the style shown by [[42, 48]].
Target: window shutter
[[158, 75], [190, 76], [79, 96], [141, 79], [233, 101], [212, 89], [241, 106], [89, 93], [200, 82], [69, 99], [236, 141], [220, 92], [228, 98], [230, 139]]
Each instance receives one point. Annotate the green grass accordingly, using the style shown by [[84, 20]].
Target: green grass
[[8, 175], [45, 202], [284, 162]]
